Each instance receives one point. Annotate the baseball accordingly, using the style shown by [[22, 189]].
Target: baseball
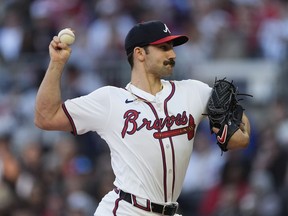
[[66, 36]]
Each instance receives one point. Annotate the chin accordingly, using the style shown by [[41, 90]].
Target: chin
[[166, 75], [166, 72], [169, 72]]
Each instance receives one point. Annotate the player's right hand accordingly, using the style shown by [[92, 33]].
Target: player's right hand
[[59, 52]]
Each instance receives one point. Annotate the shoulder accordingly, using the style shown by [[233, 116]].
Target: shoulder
[[192, 84], [193, 89], [107, 90]]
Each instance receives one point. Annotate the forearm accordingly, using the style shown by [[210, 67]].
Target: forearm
[[48, 99], [241, 138], [49, 114]]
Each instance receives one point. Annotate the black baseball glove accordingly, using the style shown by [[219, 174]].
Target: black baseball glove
[[224, 111]]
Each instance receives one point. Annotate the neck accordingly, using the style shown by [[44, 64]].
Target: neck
[[146, 83]]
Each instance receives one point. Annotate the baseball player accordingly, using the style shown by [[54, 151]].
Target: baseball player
[[149, 126]]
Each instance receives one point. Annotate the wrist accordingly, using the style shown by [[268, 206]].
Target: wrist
[[56, 65]]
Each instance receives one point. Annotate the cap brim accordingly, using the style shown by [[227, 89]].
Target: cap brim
[[176, 39]]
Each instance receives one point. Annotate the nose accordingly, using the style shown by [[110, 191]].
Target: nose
[[172, 54]]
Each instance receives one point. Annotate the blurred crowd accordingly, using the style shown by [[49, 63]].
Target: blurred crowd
[[57, 174]]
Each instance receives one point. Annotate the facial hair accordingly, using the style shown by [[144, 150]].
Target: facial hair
[[169, 62]]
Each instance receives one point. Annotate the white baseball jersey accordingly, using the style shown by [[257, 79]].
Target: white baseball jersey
[[150, 137]]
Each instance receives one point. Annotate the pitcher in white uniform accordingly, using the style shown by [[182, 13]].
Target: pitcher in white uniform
[[149, 126]]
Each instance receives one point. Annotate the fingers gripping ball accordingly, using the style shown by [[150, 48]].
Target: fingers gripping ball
[[67, 36]]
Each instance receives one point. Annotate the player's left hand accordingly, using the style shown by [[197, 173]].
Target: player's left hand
[[226, 116]]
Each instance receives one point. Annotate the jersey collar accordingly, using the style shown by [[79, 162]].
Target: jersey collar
[[142, 94]]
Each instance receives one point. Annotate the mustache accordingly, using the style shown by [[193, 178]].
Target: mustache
[[169, 62]]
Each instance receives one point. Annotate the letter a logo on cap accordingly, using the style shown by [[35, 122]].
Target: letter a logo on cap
[[166, 29]]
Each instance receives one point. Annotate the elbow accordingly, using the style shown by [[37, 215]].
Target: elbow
[[38, 124], [41, 122]]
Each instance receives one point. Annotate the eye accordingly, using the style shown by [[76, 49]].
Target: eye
[[165, 47]]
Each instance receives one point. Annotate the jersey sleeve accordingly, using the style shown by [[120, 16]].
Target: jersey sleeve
[[89, 112], [204, 91], [199, 90]]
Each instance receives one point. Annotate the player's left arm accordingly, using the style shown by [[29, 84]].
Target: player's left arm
[[241, 138]]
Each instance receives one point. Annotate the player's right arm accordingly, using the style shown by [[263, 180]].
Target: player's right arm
[[49, 114]]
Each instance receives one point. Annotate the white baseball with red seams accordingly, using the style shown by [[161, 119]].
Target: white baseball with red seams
[[67, 36], [150, 137]]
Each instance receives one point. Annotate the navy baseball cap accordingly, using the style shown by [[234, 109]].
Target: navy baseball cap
[[151, 33]]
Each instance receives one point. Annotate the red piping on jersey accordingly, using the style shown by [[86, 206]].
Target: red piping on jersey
[[116, 206], [116, 202], [161, 142], [163, 152], [170, 138], [74, 131]]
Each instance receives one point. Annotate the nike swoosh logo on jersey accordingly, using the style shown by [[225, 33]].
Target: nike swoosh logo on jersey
[[223, 137], [129, 101]]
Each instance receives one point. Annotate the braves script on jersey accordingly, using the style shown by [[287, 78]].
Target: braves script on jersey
[[150, 137]]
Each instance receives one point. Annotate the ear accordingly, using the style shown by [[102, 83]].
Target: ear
[[139, 53]]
